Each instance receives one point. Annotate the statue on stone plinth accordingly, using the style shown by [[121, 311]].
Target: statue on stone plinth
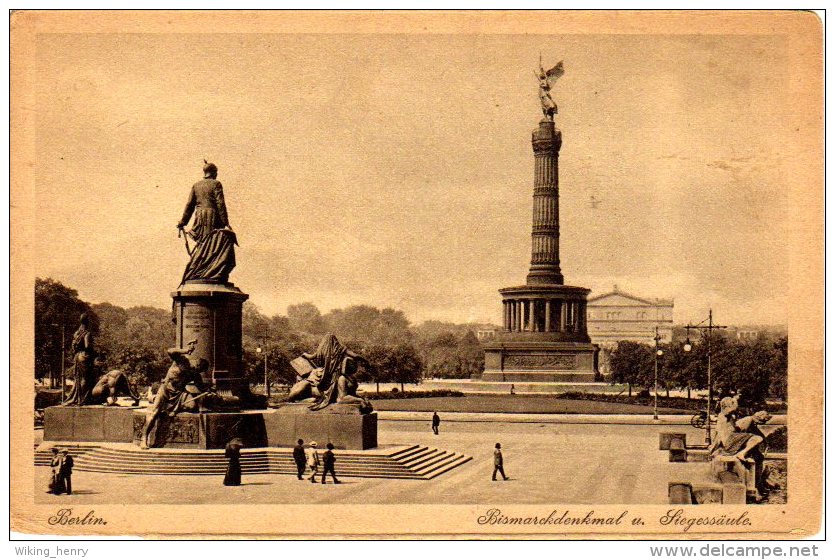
[[327, 376], [182, 390], [547, 78], [84, 355], [110, 386], [213, 256]]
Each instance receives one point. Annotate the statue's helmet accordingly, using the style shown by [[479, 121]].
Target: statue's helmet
[[209, 168]]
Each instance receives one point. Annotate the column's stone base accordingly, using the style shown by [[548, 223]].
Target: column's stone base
[[540, 361]]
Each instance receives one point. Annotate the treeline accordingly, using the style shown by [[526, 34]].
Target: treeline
[[135, 339], [758, 368]]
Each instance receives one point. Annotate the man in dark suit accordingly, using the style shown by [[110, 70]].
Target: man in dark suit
[[329, 459], [498, 462], [436, 422], [300, 458], [65, 470]]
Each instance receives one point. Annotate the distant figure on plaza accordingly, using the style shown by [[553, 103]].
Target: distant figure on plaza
[[65, 471], [300, 458], [313, 460], [182, 390], [498, 462], [233, 469], [512, 389], [328, 376], [55, 478], [84, 374], [329, 460], [213, 256], [436, 422]]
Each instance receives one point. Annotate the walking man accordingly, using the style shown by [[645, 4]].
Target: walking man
[[436, 422], [65, 471], [498, 462], [313, 460], [300, 458], [329, 460]]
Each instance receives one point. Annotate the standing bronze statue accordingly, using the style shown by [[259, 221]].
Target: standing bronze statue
[[213, 256], [331, 379], [84, 356]]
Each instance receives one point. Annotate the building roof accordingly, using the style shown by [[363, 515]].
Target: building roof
[[617, 292]]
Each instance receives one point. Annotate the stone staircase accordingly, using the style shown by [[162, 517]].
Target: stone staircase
[[43, 453], [398, 462]]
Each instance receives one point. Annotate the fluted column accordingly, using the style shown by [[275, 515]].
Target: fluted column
[[547, 315], [563, 315], [545, 231], [518, 318]]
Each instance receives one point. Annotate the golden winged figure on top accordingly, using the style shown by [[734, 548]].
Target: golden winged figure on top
[[547, 78]]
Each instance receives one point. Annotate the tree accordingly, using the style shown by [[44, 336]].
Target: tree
[[306, 317], [450, 356], [57, 311], [369, 324], [393, 364], [779, 368], [632, 363]]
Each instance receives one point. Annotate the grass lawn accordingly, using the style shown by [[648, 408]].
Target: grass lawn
[[534, 404]]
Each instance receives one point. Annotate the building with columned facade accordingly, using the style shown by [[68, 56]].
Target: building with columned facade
[[617, 315]]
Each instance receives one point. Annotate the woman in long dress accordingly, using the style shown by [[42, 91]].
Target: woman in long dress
[[233, 469], [56, 482]]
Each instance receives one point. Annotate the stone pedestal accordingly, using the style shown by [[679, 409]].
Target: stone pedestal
[[205, 430], [211, 314], [89, 423], [342, 425]]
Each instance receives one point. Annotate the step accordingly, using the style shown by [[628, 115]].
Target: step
[[455, 464]]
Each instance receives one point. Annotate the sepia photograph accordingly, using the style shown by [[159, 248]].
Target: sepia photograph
[[417, 274]]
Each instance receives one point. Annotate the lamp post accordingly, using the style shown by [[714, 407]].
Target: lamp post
[[701, 327], [260, 350], [658, 354], [63, 363]]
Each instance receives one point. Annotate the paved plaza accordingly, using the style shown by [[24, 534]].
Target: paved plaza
[[547, 463]]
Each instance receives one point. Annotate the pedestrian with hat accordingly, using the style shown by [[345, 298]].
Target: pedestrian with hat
[[313, 460]]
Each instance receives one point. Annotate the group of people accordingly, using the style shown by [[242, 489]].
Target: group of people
[[61, 480], [308, 458]]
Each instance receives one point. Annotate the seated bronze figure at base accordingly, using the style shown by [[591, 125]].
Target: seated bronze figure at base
[[327, 376], [182, 390]]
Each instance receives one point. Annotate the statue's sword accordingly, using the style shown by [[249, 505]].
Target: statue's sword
[[182, 233]]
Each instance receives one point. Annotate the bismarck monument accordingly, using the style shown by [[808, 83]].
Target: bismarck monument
[[204, 401], [544, 336]]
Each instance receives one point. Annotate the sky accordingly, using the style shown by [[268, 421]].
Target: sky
[[397, 170]]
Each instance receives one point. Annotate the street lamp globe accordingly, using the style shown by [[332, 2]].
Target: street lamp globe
[[659, 352], [687, 346], [258, 350]]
